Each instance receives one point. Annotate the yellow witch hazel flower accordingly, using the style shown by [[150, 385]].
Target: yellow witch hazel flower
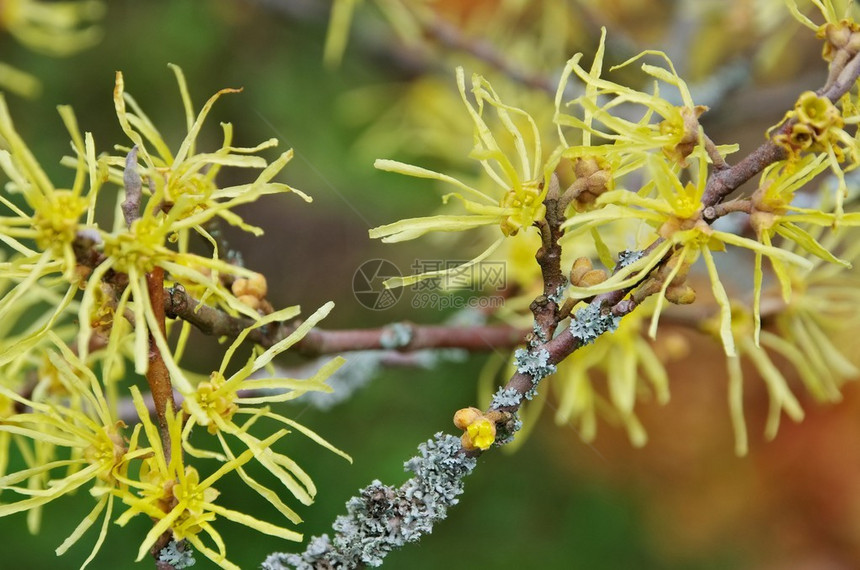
[[42, 231], [671, 128], [186, 179], [180, 196], [780, 395], [808, 326], [178, 500], [222, 399], [56, 213], [523, 179], [675, 215], [772, 213], [75, 442], [821, 316]]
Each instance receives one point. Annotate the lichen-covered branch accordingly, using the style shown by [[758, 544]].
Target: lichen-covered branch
[[382, 518]]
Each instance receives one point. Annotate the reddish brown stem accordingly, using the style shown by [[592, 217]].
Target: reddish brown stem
[[403, 337], [157, 374]]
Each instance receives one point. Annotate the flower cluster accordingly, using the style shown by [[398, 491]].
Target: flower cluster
[[632, 171], [89, 288]]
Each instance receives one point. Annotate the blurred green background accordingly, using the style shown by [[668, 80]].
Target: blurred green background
[[556, 503]]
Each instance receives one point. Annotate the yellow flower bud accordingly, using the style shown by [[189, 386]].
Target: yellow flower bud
[[481, 433]]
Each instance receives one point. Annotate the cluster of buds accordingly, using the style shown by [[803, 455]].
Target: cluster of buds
[[818, 124], [678, 291], [252, 292], [842, 41], [585, 178], [583, 274]]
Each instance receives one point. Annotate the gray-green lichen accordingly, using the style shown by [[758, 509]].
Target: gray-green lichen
[[383, 518]]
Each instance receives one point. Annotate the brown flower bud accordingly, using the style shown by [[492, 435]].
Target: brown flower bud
[[240, 287], [464, 417], [680, 294], [591, 278], [257, 286], [585, 166], [580, 267], [249, 300], [254, 286]]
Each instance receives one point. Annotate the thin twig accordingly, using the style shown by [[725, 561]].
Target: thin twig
[[712, 213], [714, 154], [403, 337]]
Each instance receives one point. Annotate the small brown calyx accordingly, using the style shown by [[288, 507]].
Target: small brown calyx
[[685, 133], [676, 224], [766, 207]]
